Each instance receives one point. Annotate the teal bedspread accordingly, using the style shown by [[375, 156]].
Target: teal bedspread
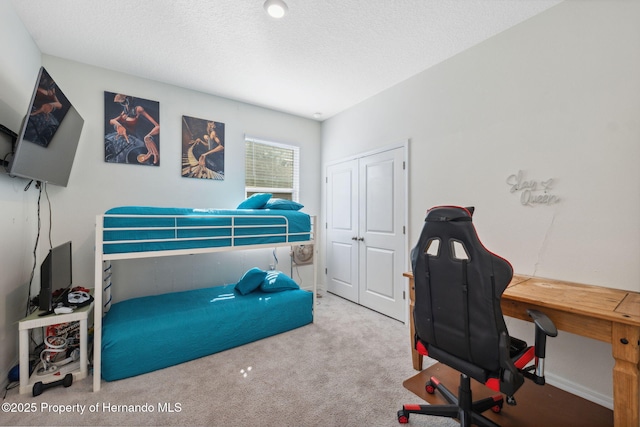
[[144, 334]]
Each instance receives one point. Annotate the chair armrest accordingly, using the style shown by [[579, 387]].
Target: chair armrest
[[543, 323], [544, 328]]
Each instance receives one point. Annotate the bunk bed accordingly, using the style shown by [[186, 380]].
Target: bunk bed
[[238, 317]]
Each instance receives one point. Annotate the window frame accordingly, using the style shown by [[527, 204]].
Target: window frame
[[293, 191]]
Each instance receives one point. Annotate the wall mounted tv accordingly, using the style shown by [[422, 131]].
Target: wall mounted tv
[[48, 139]]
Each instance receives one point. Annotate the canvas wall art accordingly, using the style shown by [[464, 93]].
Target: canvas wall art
[[131, 130], [202, 148]]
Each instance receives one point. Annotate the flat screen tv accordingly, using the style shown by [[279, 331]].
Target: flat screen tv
[[55, 274], [48, 139]]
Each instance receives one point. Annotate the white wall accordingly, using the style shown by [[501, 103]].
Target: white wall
[[96, 186], [17, 207], [557, 96]]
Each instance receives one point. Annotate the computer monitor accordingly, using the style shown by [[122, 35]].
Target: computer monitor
[[55, 273]]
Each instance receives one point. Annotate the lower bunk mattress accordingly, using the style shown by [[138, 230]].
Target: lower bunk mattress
[[145, 334]]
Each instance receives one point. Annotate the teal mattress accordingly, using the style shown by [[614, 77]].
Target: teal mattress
[[145, 334], [147, 229]]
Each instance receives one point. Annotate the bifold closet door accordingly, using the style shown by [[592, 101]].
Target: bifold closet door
[[366, 203]]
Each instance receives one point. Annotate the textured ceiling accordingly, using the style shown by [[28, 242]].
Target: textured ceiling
[[323, 57]]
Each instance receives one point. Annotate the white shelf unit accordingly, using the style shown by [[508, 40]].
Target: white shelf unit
[[78, 368]]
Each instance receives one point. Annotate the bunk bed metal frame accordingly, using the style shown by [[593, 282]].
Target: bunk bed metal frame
[[103, 261]]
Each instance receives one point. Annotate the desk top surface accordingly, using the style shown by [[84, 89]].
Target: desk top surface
[[595, 301]]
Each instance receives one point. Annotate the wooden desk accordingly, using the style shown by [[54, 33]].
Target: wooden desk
[[604, 314]]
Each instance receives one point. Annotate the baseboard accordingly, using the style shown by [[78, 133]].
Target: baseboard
[[579, 390]]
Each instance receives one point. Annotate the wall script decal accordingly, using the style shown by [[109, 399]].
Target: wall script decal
[[533, 192]]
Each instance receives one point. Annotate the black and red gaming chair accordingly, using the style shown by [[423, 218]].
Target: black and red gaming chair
[[459, 322]]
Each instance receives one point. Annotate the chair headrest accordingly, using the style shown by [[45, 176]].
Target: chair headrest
[[449, 213]]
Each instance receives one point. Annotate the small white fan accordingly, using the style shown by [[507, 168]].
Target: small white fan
[[302, 254]]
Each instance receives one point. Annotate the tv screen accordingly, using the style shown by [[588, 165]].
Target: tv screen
[[55, 274], [49, 136]]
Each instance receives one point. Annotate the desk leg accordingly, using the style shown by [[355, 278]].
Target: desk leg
[[24, 360], [415, 356], [626, 375]]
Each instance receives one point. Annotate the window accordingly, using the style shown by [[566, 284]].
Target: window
[[271, 167]]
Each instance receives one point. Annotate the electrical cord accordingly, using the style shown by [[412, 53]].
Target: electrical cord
[[5, 162], [35, 252], [54, 346], [10, 386], [275, 258], [30, 308], [46, 193], [41, 186], [543, 246]]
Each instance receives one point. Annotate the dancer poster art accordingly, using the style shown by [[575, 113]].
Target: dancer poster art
[[202, 148], [131, 130]]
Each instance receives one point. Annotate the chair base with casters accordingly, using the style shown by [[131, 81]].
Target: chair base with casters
[[461, 406]]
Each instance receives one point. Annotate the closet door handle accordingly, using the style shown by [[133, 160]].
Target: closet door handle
[[354, 238], [361, 239]]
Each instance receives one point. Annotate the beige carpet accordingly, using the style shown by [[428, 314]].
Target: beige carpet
[[347, 368]]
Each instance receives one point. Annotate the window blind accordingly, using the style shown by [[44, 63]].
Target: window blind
[[271, 167]]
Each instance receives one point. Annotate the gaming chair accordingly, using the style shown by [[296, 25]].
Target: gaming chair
[[459, 322]]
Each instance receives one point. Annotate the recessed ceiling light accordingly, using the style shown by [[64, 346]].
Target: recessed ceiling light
[[317, 115], [276, 8]]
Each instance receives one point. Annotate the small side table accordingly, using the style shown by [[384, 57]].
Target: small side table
[[78, 368]]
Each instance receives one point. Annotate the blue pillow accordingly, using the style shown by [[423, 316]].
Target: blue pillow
[[276, 281], [251, 280], [283, 204], [257, 201]]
